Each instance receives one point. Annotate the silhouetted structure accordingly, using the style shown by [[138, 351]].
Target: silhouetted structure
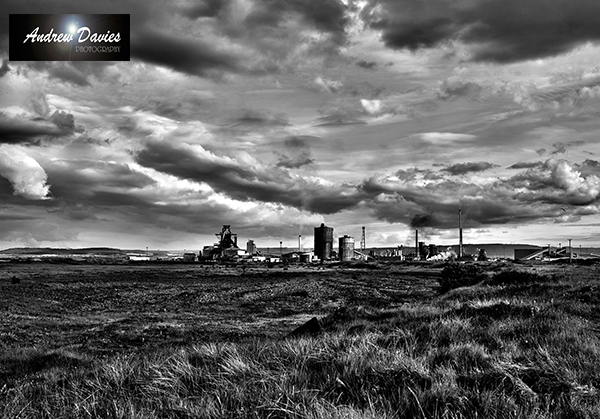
[[251, 248], [423, 252], [323, 242], [226, 245]]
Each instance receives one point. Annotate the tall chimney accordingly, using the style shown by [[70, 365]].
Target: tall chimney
[[363, 243], [460, 239], [417, 245], [300, 242]]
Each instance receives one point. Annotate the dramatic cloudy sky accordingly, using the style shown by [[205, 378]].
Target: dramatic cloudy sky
[[277, 115]]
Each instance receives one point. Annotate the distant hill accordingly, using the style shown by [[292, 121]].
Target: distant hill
[[62, 251]]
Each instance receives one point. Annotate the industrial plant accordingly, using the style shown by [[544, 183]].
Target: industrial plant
[[226, 249]]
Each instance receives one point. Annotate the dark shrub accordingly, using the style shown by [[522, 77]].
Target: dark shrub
[[456, 275], [15, 280], [513, 276]]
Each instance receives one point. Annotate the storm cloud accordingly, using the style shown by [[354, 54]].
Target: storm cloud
[[186, 54], [498, 30], [18, 130], [249, 180], [297, 153], [4, 68], [526, 165], [471, 167]]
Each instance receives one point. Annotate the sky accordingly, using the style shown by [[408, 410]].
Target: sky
[[274, 116]]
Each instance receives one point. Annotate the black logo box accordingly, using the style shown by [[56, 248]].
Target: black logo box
[[57, 28]]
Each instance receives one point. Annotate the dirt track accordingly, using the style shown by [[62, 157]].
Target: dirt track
[[103, 309]]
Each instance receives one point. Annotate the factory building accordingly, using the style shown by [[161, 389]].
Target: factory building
[[323, 242], [423, 252], [226, 247], [346, 249], [251, 248]]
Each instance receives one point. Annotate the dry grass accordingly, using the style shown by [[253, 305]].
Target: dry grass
[[494, 351]]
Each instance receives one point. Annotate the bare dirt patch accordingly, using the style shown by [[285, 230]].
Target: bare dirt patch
[[103, 309]]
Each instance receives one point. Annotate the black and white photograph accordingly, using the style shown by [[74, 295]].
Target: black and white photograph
[[312, 209]]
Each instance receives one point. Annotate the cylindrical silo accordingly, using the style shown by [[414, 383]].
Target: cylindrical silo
[[346, 251], [323, 242]]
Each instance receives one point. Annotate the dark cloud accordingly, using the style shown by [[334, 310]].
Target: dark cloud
[[591, 163], [559, 148], [14, 130], [463, 168], [246, 182], [203, 8], [526, 165], [184, 54], [298, 142], [63, 120], [497, 30], [455, 88], [75, 212], [294, 162], [422, 220], [272, 34], [328, 16], [253, 119], [4, 68], [589, 167], [297, 154], [338, 120], [82, 189], [369, 65], [280, 34], [534, 195], [73, 180], [121, 198], [541, 151]]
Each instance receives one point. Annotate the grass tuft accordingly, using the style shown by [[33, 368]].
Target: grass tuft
[[455, 275], [518, 277]]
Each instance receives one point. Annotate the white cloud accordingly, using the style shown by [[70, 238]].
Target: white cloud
[[25, 174], [328, 85], [445, 137], [371, 106], [587, 189]]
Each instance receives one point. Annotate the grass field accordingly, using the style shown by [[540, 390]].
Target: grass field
[[188, 341]]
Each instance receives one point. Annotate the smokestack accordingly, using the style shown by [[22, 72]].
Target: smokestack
[[300, 242], [460, 240], [416, 244], [363, 241]]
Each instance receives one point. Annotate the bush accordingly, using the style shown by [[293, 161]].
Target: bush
[[513, 276], [455, 275]]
